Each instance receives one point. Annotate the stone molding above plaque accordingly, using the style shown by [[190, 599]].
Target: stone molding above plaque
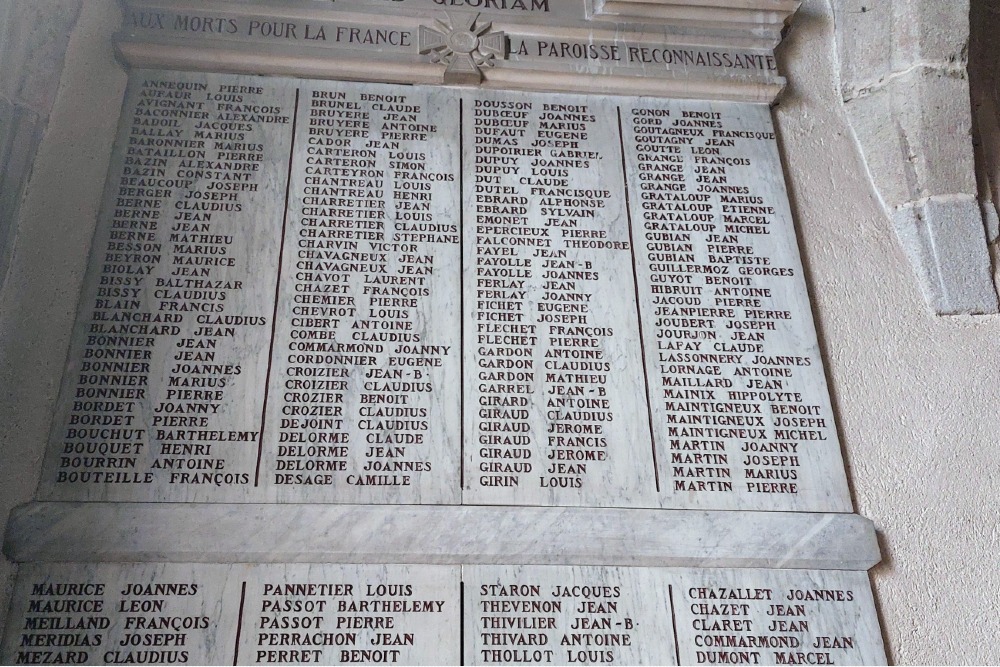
[[766, 19], [677, 49]]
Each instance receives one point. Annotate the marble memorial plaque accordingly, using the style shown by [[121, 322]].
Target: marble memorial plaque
[[264, 318], [162, 393], [777, 617], [419, 614], [363, 293], [603, 615], [364, 614], [563, 615]]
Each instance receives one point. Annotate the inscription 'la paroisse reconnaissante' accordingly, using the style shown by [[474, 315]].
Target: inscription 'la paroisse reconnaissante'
[[339, 292]]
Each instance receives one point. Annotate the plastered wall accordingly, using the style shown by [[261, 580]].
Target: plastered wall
[[915, 393]]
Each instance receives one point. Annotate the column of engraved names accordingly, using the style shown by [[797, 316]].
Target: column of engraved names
[[722, 319], [504, 335], [66, 622], [160, 622], [342, 622], [558, 624], [769, 368], [175, 295], [515, 624], [102, 440], [578, 407], [569, 615], [794, 622], [364, 349], [215, 279], [546, 252]]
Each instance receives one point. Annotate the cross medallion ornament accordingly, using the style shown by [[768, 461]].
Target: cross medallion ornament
[[464, 47]]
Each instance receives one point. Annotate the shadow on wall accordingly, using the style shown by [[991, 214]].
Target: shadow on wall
[[984, 86], [33, 41]]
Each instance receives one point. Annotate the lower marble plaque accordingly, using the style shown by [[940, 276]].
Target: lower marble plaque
[[438, 614]]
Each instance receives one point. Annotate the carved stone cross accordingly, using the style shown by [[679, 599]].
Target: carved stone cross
[[463, 46]]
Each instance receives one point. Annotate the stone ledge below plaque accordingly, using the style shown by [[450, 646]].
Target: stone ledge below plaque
[[126, 532]]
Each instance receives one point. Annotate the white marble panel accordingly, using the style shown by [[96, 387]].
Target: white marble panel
[[565, 615], [350, 614], [741, 413], [777, 617], [190, 380], [396, 614], [108, 614], [365, 393], [554, 383], [595, 615]]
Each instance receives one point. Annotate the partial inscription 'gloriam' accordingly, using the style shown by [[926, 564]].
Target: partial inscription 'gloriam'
[[338, 292]]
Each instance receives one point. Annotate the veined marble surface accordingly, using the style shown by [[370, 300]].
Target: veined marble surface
[[341, 614], [347, 293], [365, 399], [741, 411], [595, 615], [124, 532]]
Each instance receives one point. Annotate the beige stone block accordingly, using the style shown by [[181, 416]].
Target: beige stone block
[[876, 38], [20, 133], [916, 135], [945, 241]]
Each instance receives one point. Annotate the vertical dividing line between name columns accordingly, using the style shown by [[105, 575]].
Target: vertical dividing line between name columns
[[461, 623], [638, 308], [239, 624], [277, 291], [673, 623], [461, 296]]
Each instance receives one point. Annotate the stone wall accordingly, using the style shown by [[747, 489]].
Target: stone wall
[[913, 391], [905, 86]]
